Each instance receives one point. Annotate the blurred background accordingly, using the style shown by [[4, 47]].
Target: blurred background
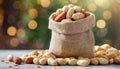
[[24, 23]]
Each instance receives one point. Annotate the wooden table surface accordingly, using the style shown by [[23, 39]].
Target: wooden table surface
[[3, 65]]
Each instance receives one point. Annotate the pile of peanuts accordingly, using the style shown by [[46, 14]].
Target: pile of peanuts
[[69, 13], [104, 54]]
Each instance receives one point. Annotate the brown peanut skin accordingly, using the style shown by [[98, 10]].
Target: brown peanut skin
[[17, 60], [87, 14], [29, 60], [60, 17]]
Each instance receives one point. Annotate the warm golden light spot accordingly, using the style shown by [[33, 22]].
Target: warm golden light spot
[[33, 13], [14, 42], [101, 24], [1, 1], [99, 2], [32, 24], [103, 32], [73, 1], [91, 7], [107, 15], [21, 33], [11, 31], [118, 1], [102, 3], [45, 3]]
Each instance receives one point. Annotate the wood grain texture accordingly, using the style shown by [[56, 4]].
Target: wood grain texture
[[3, 65]]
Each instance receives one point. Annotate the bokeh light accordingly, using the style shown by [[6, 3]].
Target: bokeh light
[[11, 31], [118, 1], [45, 3], [21, 33], [11, 19], [91, 7], [103, 3], [108, 41], [14, 42], [103, 32], [33, 13], [107, 15], [73, 1], [101, 24], [1, 1], [99, 2], [16, 5], [32, 24]]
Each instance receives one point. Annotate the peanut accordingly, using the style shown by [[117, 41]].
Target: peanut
[[59, 11], [29, 60], [83, 62], [112, 52], [117, 59], [23, 58], [105, 46], [77, 9], [103, 61], [48, 55], [111, 60], [66, 20], [60, 17], [77, 16], [102, 52], [54, 15], [36, 60], [17, 60], [94, 61], [86, 14], [72, 61], [61, 61], [10, 57], [43, 61], [70, 13], [52, 61], [65, 8], [83, 10], [97, 48]]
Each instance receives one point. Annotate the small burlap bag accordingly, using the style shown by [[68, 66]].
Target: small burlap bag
[[72, 39]]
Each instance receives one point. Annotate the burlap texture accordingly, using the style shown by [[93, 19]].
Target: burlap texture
[[72, 39]]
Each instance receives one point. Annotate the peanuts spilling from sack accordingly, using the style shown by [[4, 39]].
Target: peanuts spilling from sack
[[69, 13], [104, 54]]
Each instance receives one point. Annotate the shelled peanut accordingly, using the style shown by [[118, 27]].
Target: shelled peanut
[[104, 54], [69, 13]]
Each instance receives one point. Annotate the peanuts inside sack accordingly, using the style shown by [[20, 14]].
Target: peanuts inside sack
[[72, 35]]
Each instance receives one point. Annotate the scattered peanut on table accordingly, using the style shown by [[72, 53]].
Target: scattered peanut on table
[[104, 55]]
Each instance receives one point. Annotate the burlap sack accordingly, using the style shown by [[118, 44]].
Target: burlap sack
[[72, 39]]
